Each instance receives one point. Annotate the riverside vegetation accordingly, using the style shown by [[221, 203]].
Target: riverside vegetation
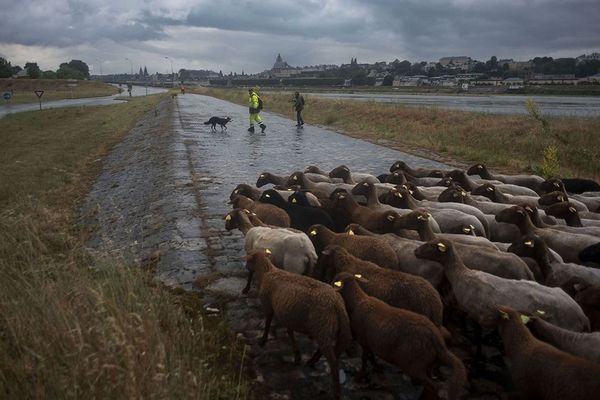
[[72, 326], [508, 143]]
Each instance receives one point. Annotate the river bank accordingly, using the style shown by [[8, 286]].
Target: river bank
[[508, 143]]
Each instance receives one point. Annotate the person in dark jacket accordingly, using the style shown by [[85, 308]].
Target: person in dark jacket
[[299, 106]]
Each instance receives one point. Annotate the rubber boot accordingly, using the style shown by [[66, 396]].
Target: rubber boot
[[251, 129], [262, 128]]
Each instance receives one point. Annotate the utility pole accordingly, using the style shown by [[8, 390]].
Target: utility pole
[[131, 64], [172, 73], [100, 65]]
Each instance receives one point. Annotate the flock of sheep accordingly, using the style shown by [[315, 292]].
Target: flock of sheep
[[386, 260]]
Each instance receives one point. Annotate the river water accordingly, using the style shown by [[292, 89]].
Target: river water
[[560, 106]]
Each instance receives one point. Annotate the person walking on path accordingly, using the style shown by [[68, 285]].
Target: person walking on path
[[299, 106], [255, 105]]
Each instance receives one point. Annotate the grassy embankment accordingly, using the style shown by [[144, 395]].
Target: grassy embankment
[[72, 326], [54, 89], [506, 143]]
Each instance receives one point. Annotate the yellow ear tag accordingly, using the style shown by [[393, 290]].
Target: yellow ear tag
[[422, 218], [228, 217], [441, 247], [294, 200], [540, 312], [525, 319], [489, 189], [528, 243], [338, 284], [504, 315], [399, 195], [472, 227], [289, 189], [428, 215], [268, 252], [528, 208], [262, 176], [466, 229], [573, 209], [247, 211], [561, 198], [391, 217], [295, 178], [396, 174], [342, 196], [358, 276], [520, 212], [350, 232], [313, 232], [268, 196], [464, 194], [410, 191], [365, 184], [236, 191], [556, 184], [480, 166]]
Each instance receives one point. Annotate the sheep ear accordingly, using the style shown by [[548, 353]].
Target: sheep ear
[[365, 184], [350, 232], [268, 252], [391, 217], [268, 196], [561, 198], [525, 319], [480, 166], [504, 315], [410, 191], [467, 229], [556, 184], [520, 212], [573, 209], [313, 232], [423, 218], [489, 189], [399, 195], [540, 312], [529, 209], [359, 276], [338, 284], [262, 176], [341, 196], [529, 243], [228, 217], [441, 247], [295, 178], [404, 187], [294, 200], [463, 193]]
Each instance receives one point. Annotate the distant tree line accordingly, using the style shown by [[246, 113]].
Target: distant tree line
[[74, 69]]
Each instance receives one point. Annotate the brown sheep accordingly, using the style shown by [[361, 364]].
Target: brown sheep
[[267, 213], [398, 289], [305, 305], [541, 371], [364, 247], [376, 221], [403, 338]]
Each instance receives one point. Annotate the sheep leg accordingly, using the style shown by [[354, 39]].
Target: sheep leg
[[247, 288], [362, 374], [315, 357], [376, 365], [297, 356], [268, 319], [335, 371]]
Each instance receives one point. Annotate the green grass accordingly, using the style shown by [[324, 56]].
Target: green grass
[[507, 143], [76, 326], [54, 89]]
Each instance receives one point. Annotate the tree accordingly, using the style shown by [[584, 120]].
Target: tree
[[6, 70], [65, 71], [388, 80], [48, 75], [76, 67], [33, 71]]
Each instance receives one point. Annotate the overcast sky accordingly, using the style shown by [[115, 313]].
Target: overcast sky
[[236, 35]]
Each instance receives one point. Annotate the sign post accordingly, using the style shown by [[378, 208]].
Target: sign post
[[7, 96], [39, 94]]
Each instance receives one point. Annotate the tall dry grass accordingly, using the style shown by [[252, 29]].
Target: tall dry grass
[[74, 326], [507, 143], [54, 89]]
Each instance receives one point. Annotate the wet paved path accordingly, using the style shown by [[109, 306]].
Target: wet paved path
[[164, 190], [221, 160]]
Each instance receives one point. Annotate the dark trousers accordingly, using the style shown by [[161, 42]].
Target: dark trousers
[[299, 117]]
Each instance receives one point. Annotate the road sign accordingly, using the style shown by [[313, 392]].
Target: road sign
[[7, 96], [39, 93]]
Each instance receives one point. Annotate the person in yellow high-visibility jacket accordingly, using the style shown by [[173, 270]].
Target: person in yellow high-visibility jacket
[[254, 105]]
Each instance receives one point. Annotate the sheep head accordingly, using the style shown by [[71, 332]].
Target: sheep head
[[552, 198], [512, 215], [563, 210], [362, 188], [438, 250], [488, 190], [398, 165], [552, 185], [476, 169]]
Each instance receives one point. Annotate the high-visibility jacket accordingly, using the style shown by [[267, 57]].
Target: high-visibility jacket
[[253, 103]]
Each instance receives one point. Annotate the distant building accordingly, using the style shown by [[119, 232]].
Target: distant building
[[455, 61], [588, 57], [280, 64]]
